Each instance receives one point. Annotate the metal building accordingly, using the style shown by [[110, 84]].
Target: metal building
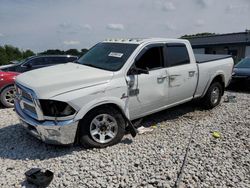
[[236, 44]]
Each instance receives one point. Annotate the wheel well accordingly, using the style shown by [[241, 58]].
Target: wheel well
[[107, 104], [220, 79], [3, 88], [115, 106]]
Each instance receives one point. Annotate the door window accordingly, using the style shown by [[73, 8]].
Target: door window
[[151, 59], [49, 61], [60, 60], [177, 54], [35, 62], [56, 60]]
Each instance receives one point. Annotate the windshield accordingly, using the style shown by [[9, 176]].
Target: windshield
[[244, 63], [107, 56]]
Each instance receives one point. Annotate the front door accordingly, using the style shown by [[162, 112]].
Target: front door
[[148, 92]]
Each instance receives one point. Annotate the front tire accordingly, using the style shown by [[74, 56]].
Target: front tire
[[213, 95], [101, 127], [7, 96]]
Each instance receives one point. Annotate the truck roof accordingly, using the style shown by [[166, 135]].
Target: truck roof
[[142, 40]]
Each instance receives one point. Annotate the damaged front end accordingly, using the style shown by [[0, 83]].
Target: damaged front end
[[48, 120], [57, 110]]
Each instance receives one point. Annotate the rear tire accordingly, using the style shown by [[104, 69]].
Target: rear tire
[[7, 96], [101, 127], [213, 95]]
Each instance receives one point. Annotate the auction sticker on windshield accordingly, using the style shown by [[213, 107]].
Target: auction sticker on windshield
[[115, 54]]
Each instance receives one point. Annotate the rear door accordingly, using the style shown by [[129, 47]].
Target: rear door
[[182, 74]]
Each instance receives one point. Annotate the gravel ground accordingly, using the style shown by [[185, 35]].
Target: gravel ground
[[150, 160]]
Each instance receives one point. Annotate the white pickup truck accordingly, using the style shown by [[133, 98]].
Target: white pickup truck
[[93, 101]]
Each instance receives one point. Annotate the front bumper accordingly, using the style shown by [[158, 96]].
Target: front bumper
[[51, 132]]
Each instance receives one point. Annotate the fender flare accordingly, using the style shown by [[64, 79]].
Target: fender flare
[[219, 73], [121, 104]]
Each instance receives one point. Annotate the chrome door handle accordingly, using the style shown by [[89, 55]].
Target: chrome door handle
[[161, 77], [191, 73], [174, 75]]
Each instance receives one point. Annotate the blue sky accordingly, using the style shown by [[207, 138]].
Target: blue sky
[[64, 24]]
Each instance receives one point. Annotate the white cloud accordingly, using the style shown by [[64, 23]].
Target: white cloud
[[204, 3], [1, 35], [199, 23], [170, 27], [117, 27], [229, 8], [70, 28], [65, 25], [168, 6], [71, 42], [87, 27], [237, 8]]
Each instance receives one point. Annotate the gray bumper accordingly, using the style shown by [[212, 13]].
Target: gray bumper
[[51, 132]]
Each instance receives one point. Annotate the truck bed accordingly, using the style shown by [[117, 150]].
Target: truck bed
[[204, 58], [216, 65]]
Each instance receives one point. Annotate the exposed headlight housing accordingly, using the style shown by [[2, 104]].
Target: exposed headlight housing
[[57, 110]]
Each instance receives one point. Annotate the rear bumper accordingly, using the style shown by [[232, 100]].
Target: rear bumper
[[51, 132]]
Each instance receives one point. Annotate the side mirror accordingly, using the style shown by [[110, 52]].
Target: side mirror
[[136, 71], [28, 65]]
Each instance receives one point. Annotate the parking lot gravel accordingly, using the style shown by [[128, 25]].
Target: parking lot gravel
[[154, 159]]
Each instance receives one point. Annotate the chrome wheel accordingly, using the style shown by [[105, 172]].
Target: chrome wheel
[[9, 96], [215, 95], [103, 128]]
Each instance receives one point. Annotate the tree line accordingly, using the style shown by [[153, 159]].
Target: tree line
[[10, 53], [205, 34]]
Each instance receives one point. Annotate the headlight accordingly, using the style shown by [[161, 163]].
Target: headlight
[[56, 109], [233, 73]]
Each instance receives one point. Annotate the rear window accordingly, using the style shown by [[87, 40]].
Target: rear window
[[53, 60], [177, 54], [60, 60]]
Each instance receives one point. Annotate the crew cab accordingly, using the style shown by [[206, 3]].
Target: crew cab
[[93, 101], [7, 90]]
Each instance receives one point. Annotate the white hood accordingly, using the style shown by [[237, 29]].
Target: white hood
[[50, 81]]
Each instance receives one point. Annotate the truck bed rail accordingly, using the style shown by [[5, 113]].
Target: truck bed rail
[[204, 58]]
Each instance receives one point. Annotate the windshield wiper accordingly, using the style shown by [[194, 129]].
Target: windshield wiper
[[91, 65], [76, 61]]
